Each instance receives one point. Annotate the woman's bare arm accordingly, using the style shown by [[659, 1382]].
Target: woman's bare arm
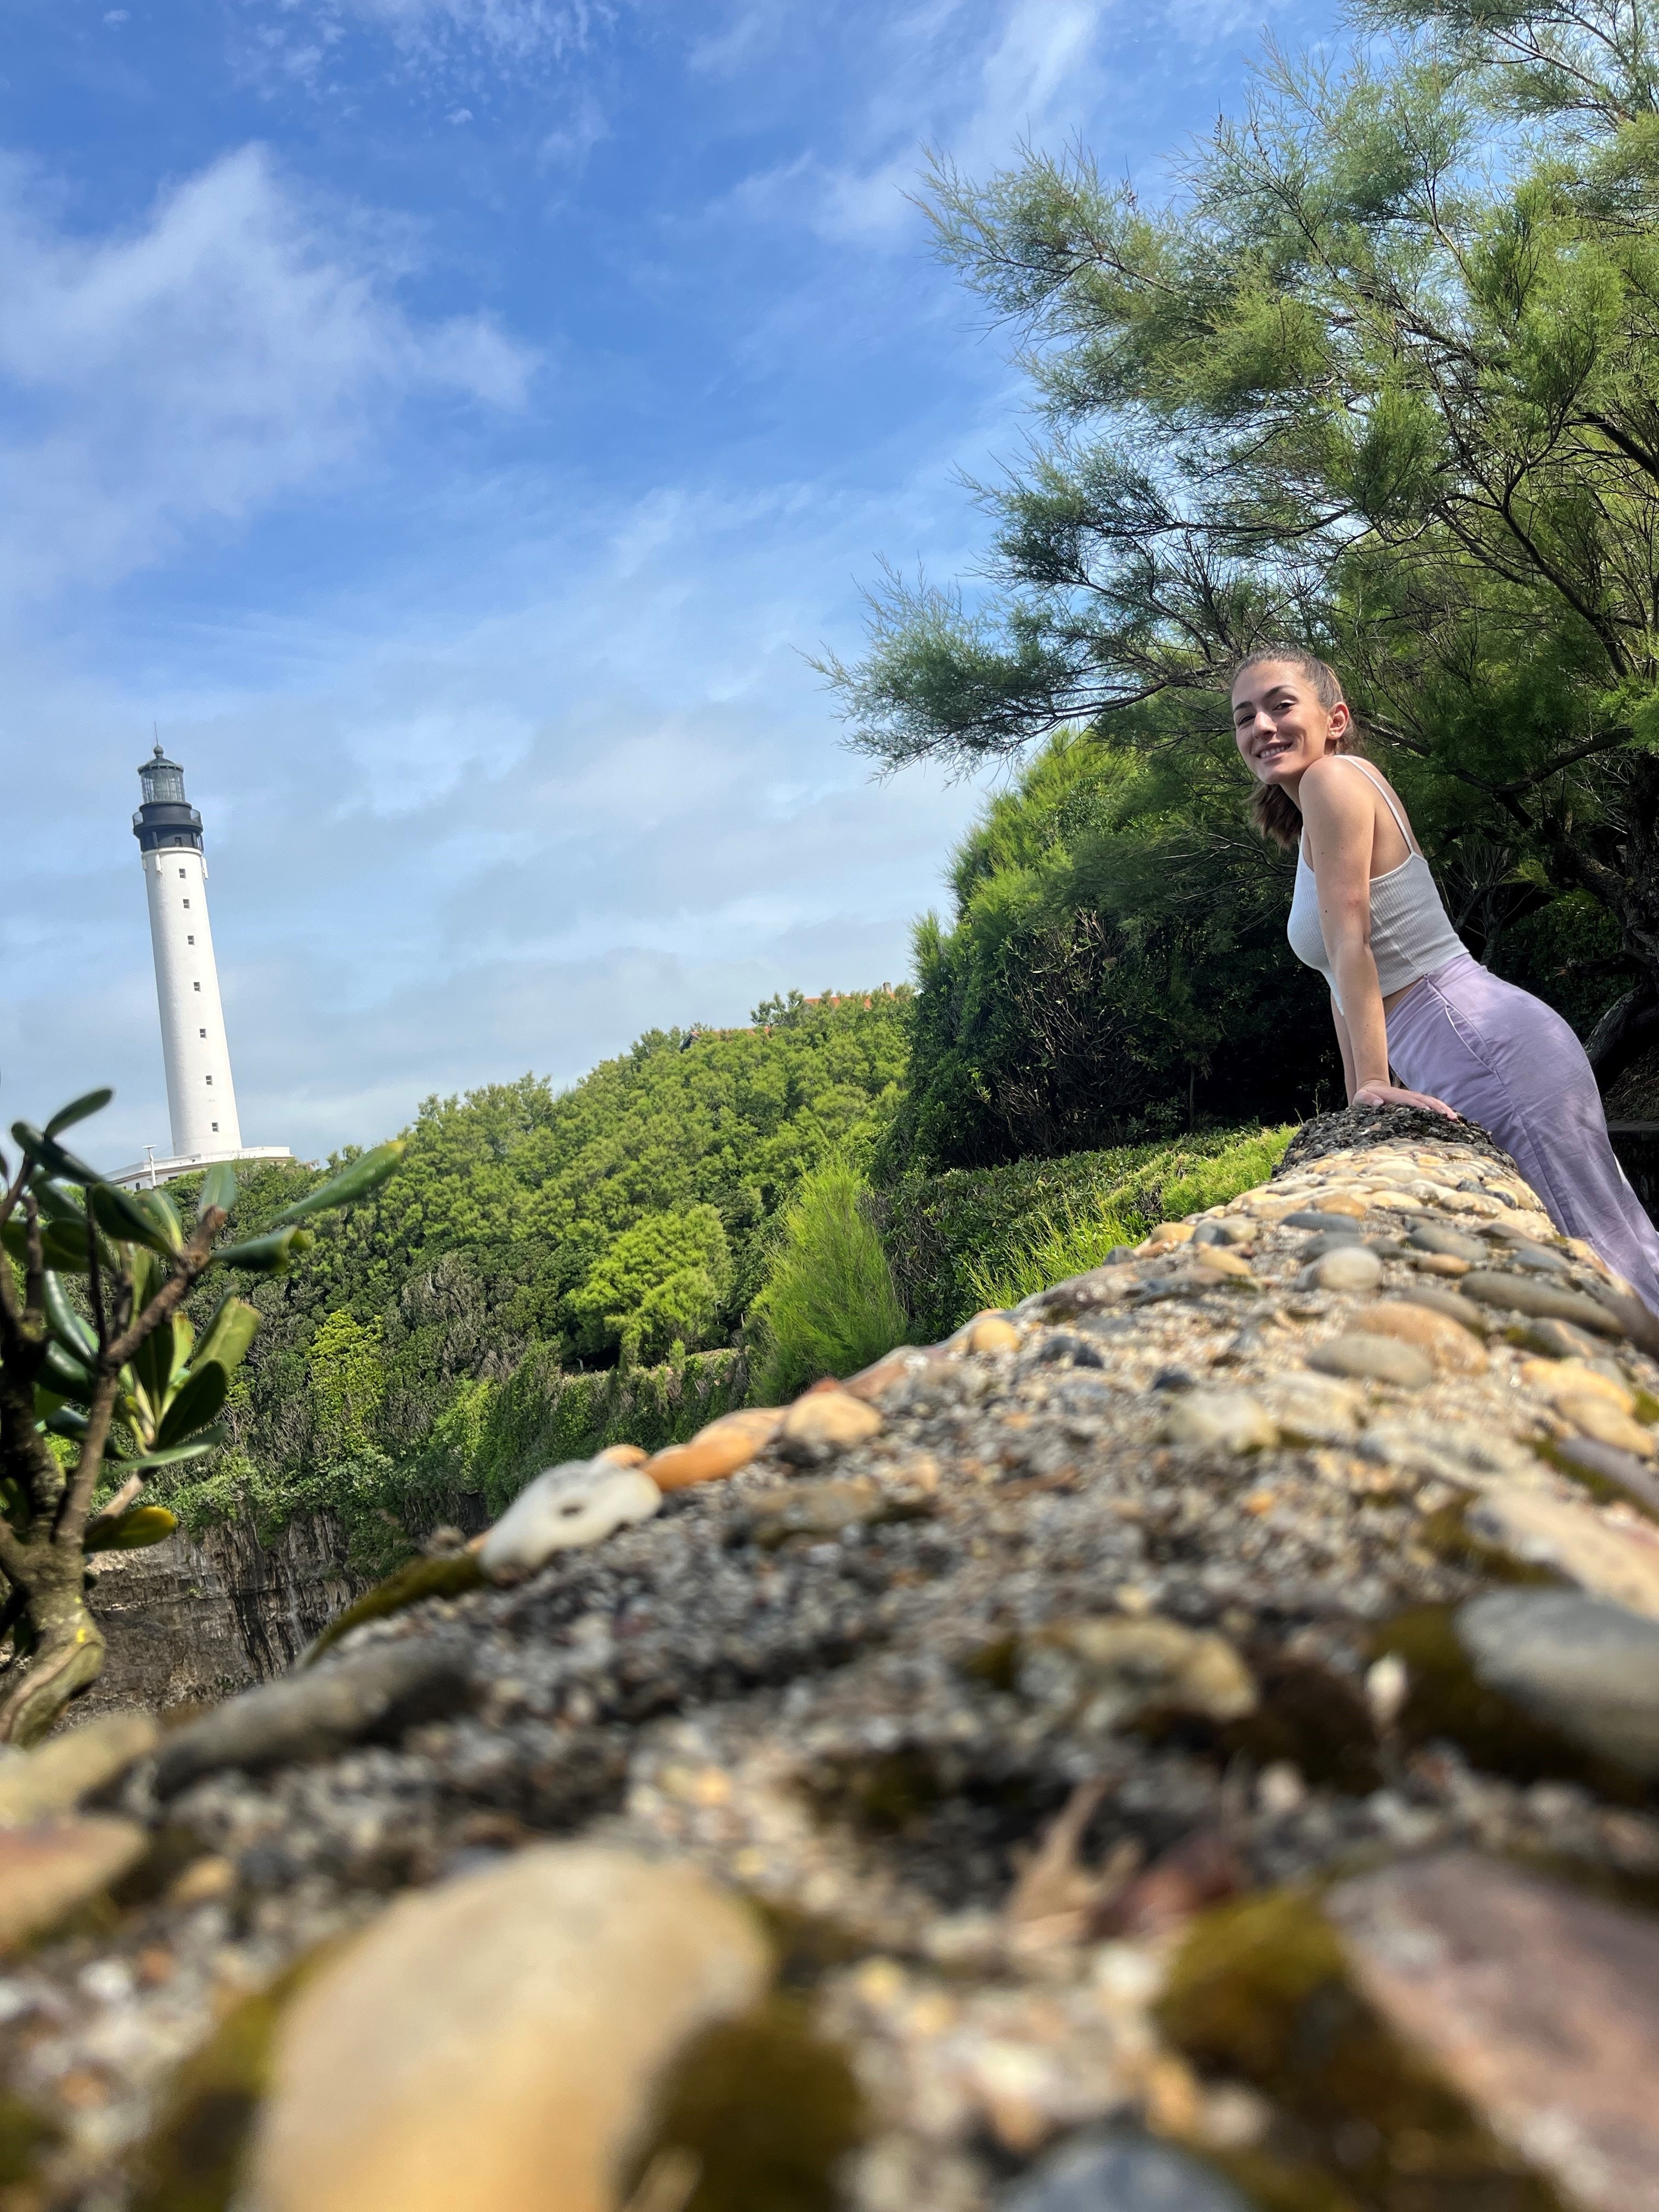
[[1340, 815], [1346, 1047]]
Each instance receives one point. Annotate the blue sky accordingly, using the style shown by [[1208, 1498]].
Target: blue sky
[[450, 421]]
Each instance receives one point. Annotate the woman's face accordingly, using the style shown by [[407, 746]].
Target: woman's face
[[1279, 723]]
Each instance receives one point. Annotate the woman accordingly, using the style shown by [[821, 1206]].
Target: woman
[[1404, 993]]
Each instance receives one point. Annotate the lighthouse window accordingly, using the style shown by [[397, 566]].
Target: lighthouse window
[[216, 1125], [186, 902], [182, 875], [209, 1078], [195, 987], [190, 940], [201, 1032]]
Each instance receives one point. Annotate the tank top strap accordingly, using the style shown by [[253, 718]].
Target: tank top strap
[[1386, 795]]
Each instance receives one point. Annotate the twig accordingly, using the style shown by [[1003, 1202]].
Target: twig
[[191, 1261], [114, 1507], [34, 1293]]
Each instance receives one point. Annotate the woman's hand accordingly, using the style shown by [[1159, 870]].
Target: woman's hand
[[1390, 1094]]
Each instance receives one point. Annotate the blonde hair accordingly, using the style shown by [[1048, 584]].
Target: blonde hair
[[1272, 811]]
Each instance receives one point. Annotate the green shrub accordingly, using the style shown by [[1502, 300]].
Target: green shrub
[[1115, 970], [829, 1306], [973, 1237], [1080, 1237], [659, 1282]]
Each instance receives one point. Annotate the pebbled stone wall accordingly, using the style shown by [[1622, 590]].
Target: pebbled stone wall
[[1191, 1740]]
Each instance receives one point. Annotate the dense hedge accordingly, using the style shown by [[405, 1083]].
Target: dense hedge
[[951, 1236]]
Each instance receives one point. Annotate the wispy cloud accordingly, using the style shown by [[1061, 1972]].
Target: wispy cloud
[[441, 43], [234, 348], [949, 72]]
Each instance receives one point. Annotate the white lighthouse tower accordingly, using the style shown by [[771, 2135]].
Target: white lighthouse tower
[[201, 1094]]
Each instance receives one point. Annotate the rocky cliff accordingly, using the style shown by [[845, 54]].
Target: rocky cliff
[[195, 1621], [1189, 1742]]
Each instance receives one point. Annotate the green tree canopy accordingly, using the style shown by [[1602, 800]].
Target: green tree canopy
[[660, 1281], [626, 1213], [1117, 967]]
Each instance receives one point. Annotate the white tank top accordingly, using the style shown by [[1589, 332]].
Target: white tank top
[[1411, 932]]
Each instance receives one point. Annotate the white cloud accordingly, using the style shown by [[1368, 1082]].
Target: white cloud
[[438, 43], [230, 351], [972, 78]]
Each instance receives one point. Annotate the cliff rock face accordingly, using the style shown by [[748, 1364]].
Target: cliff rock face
[[191, 1620], [1191, 1740]]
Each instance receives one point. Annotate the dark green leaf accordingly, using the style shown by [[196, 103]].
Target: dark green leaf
[[66, 1421], [200, 1396], [67, 1377], [90, 1102], [209, 1440], [161, 1209], [74, 1334], [58, 1202], [46, 1152], [121, 1214], [352, 1184], [229, 1335], [218, 1189], [62, 1246], [155, 1358], [268, 1256]]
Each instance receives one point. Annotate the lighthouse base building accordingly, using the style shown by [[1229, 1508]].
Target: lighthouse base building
[[201, 1094]]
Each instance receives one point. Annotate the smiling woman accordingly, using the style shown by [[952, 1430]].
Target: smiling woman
[[1405, 997]]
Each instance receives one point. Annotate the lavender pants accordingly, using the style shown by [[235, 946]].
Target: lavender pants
[[1504, 1059]]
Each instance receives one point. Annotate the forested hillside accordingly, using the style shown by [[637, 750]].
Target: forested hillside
[[543, 1264], [547, 1272]]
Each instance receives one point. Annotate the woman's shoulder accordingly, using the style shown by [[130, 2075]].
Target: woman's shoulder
[[1324, 782]]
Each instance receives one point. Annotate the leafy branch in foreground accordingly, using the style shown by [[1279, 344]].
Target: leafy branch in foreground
[[111, 1385]]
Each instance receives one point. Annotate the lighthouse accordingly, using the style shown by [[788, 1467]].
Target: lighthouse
[[201, 1092]]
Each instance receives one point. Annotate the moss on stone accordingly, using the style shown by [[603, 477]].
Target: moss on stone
[[1261, 1990], [1447, 1698], [26, 2136], [766, 2107], [452, 1577], [192, 2160]]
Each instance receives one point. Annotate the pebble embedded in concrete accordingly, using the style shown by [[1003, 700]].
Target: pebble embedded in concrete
[[1123, 2173], [1540, 1299], [314, 1714], [1219, 1420], [1452, 1349], [581, 1502], [1586, 1668], [1542, 2006], [1369, 1358], [1102, 1671], [1345, 1267], [1612, 1558], [49, 1869], [824, 1424], [495, 2042], [59, 1773]]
